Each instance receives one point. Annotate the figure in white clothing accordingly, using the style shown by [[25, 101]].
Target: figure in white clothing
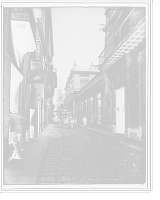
[[16, 122]]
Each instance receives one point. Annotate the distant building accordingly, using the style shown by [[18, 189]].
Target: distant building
[[90, 102], [77, 79]]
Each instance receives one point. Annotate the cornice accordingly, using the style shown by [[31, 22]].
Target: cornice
[[98, 79]]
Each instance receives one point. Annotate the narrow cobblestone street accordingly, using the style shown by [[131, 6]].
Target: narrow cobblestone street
[[77, 156]]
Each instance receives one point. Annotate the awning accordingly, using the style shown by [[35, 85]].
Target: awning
[[23, 40]]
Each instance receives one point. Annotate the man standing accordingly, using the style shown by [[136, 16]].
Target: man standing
[[16, 122], [84, 121]]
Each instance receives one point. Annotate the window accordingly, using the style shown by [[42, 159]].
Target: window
[[91, 101], [82, 110], [78, 111], [86, 108], [99, 108]]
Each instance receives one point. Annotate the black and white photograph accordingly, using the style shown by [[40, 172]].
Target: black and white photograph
[[76, 96]]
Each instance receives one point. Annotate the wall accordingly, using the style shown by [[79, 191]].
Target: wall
[[133, 95], [125, 73], [137, 102], [99, 88]]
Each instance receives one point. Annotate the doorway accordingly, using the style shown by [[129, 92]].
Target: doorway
[[32, 122], [86, 102], [120, 110], [38, 114], [42, 115]]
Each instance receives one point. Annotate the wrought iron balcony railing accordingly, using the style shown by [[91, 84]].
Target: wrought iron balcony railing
[[126, 28]]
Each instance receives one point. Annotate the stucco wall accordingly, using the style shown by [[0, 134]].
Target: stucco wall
[[126, 73], [93, 93]]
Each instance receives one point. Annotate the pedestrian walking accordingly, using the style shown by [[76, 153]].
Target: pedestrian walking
[[56, 119], [16, 123], [84, 121]]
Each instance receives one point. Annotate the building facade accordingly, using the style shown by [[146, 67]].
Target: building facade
[[115, 99], [90, 101], [29, 77], [77, 79], [125, 67]]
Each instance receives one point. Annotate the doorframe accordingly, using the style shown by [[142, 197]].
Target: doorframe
[[38, 116]]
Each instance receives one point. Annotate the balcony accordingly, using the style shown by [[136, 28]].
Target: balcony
[[36, 60], [130, 34], [23, 37]]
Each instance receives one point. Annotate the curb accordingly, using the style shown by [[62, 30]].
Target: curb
[[120, 140]]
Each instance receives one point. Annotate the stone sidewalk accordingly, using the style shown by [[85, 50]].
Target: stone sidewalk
[[24, 171], [137, 144]]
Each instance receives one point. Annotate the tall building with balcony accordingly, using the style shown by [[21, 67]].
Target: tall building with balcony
[[77, 79], [28, 74], [90, 101], [117, 100]]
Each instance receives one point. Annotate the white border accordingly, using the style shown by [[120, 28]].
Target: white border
[[149, 102]]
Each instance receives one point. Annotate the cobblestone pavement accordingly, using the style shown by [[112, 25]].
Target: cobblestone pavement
[[76, 156]]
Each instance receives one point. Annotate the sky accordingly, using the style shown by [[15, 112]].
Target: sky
[[77, 37]]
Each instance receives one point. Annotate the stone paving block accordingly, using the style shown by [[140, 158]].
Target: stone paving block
[[48, 162], [63, 162], [48, 169], [61, 169], [64, 178], [67, 172], [50, 179], [49, 174], [56, 166], [47, 166], [63, 159]]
